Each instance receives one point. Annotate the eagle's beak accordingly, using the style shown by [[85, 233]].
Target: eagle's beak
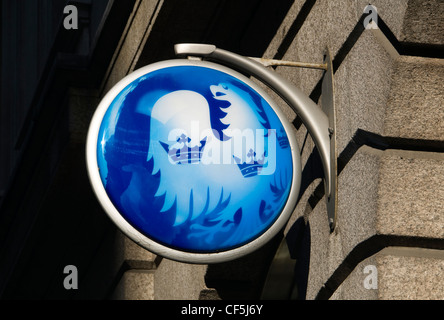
[[218, 91]]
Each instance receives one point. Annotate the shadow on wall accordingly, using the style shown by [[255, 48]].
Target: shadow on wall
[[299, 241]]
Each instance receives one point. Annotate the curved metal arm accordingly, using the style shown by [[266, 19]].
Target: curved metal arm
[[314, 119]]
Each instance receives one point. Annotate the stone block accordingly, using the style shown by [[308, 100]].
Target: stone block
[[410, 194], [273, 47], [135, 285], [135, 266], [361, 284], [362, 87], [133, 254], [392, 12], [410, 274], [415, 108], [396, 273], [423, 22], [392, 193], [179, 281]]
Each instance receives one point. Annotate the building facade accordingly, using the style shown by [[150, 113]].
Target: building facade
[[388, 70]]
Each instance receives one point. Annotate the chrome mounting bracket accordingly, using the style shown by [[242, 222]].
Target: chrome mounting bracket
[[320, 122]]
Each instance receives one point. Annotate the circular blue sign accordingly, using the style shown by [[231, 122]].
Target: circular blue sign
[[192, 160]]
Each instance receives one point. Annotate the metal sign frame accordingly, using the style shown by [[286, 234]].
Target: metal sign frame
[[143, 240], [320, 123]]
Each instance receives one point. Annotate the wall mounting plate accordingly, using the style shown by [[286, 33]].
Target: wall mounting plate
[[328, 106]]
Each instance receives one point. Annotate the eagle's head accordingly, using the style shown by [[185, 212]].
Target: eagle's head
[[179, 122]]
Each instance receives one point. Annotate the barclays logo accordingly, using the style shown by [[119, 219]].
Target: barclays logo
[[192, 157]]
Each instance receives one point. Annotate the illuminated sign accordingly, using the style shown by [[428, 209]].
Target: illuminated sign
[[193, 161]]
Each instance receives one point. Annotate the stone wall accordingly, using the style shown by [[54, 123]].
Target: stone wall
[[390, 138], [390, 125]]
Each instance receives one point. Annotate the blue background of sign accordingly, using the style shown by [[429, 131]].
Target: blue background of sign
[[246, 208]]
